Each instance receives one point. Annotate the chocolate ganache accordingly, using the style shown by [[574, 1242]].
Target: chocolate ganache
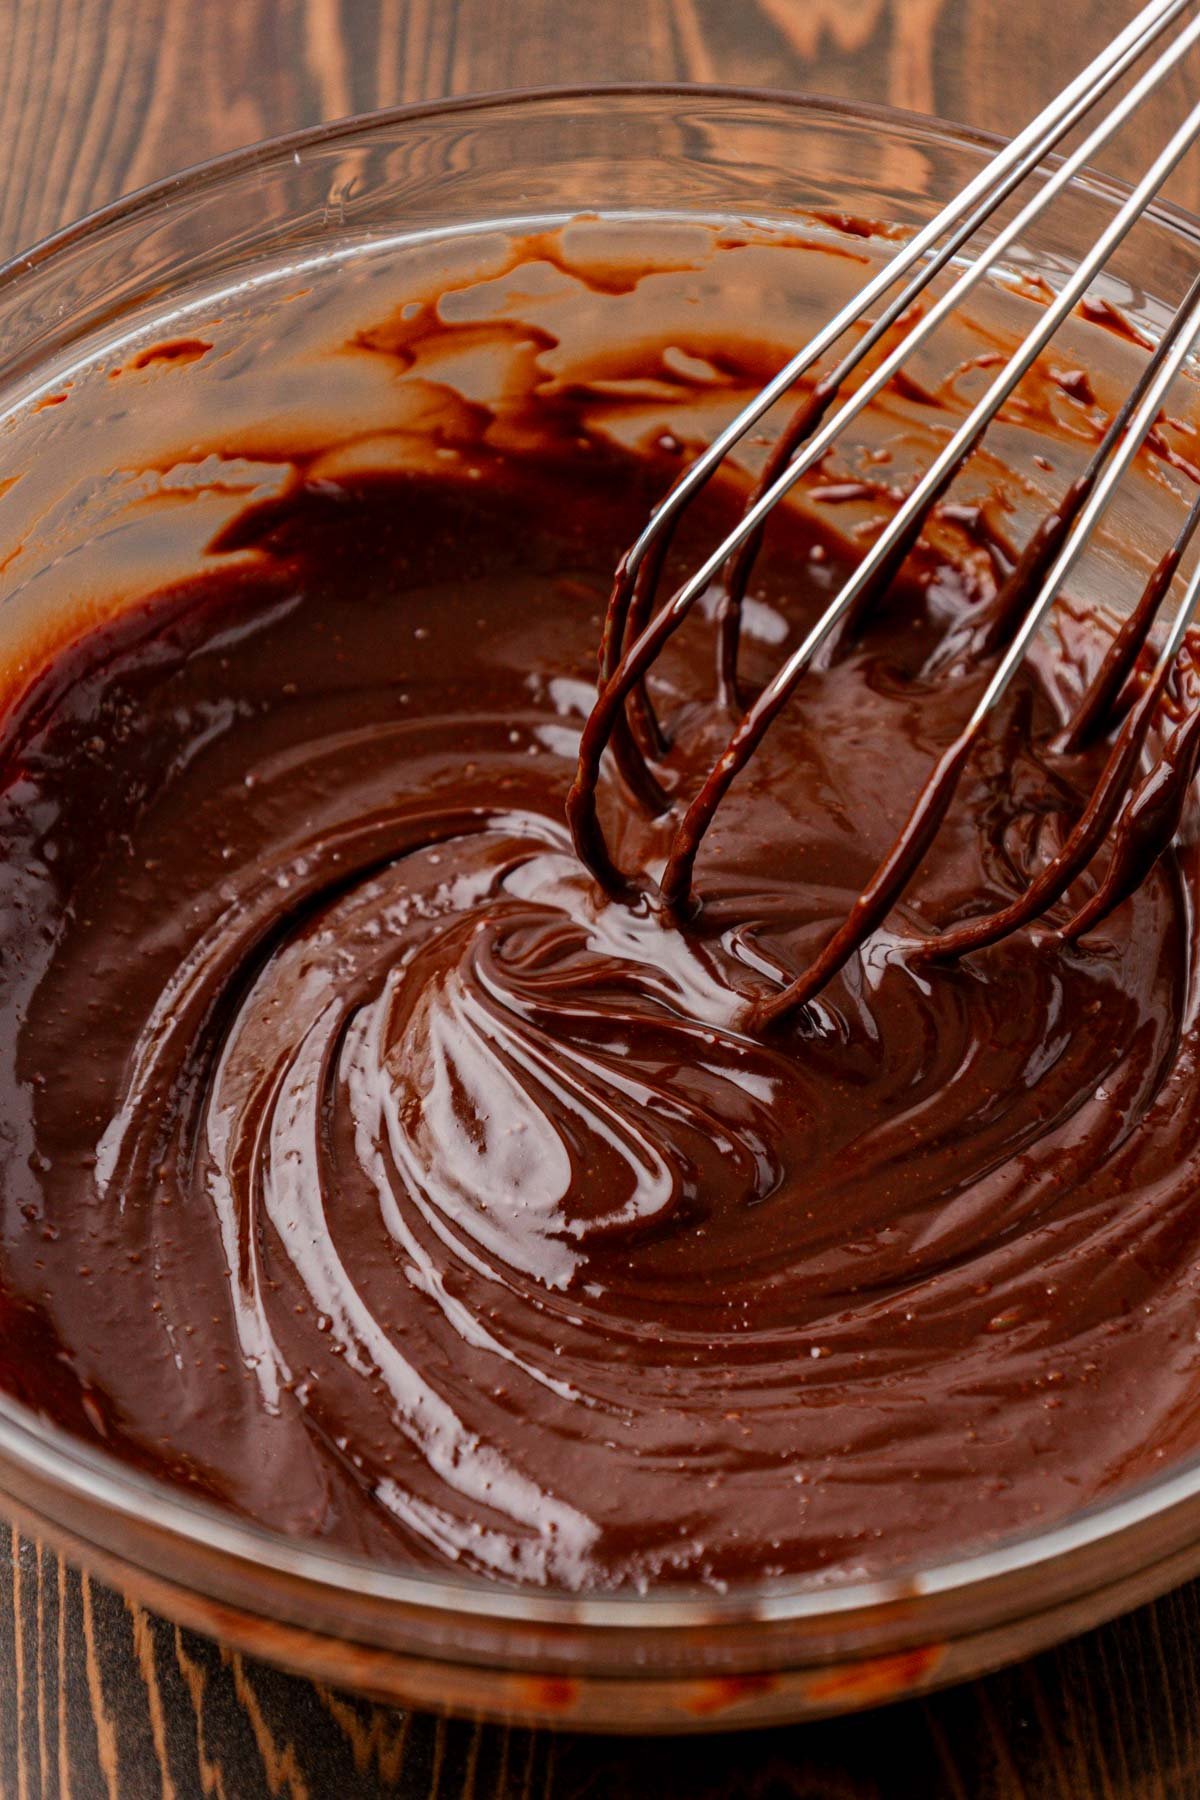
[[368, 1170]]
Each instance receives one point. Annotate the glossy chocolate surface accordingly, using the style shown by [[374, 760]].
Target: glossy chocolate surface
[[365, 1168]]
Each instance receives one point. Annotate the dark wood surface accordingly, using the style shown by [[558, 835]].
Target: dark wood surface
[[98, 1698]]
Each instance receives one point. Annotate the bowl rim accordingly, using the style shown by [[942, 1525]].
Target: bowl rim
[[53, 1456], [194, 178]]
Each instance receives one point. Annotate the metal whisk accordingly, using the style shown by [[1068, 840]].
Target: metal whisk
[[1140, 818]]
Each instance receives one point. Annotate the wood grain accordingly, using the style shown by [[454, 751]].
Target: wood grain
[[99, 1698], [100, 96]]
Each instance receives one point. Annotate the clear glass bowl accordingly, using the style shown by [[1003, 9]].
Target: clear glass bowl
[[263, 254]]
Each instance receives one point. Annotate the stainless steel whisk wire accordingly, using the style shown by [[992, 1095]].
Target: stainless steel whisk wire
[[624, 665]]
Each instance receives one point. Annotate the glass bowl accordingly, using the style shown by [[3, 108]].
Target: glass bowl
[[262, 255]]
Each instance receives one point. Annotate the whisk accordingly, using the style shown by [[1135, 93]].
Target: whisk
[[1138, 816]]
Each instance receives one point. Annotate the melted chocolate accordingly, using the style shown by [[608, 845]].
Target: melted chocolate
[[368, 1169]]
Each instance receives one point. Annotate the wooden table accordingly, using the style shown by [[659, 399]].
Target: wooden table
[[97, 1698]]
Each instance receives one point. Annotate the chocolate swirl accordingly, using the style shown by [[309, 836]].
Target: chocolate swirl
[[368, 1170]]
